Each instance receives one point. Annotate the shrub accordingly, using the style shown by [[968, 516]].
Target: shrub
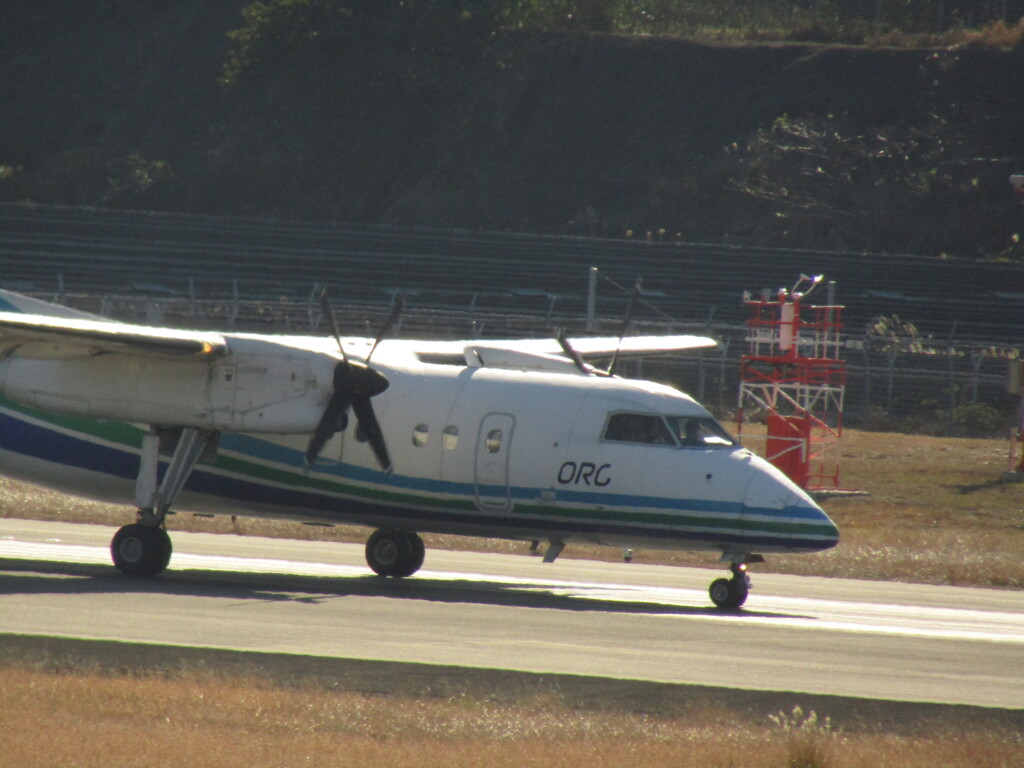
[[810, 740], [977, 420]]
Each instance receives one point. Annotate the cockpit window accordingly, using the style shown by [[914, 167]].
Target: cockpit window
[[638, 428], [696, 431]]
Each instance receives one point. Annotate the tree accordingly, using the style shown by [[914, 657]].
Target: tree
[[349, 94], [827, 184]]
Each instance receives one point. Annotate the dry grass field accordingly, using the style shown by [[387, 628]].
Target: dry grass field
[[939, 511], [87, 719]]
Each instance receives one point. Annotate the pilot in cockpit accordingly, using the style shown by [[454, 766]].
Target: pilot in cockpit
[[692, 433]]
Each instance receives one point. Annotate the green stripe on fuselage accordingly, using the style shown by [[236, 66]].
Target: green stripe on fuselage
[[262, 472]]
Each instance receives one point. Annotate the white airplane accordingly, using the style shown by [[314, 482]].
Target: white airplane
[[507, 439]]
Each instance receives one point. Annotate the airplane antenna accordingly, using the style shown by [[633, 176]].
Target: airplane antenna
[[814, 280]]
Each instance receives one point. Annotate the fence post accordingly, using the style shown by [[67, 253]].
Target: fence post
[[591, 299], [977, 357], [951, 368], [867, 379], [724, 346], [233, 313], [891, 356]]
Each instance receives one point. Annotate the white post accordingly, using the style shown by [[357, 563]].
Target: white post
[[592, 300]]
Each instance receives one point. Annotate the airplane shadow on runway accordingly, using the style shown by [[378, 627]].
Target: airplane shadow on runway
[[48, 577]]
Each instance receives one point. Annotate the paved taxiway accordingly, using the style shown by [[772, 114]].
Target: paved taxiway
[[824, 636]]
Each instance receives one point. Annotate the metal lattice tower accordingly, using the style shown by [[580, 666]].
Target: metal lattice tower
[[794, 378]]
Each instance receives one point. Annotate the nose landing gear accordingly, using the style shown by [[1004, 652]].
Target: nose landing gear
[[732, 593]]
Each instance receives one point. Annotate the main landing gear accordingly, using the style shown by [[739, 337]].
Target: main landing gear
[[394, 553], [144, 548], [732, 593]]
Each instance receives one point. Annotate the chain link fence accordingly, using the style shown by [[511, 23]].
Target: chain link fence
[[265, 275]]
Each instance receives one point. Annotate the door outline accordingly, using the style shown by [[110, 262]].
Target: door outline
[[490, 468]]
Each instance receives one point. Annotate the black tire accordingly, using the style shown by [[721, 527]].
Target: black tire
[[394, 553], [419, 553], [728, 593], [740, 591], [164, 549], [720, 593], [140, 550]]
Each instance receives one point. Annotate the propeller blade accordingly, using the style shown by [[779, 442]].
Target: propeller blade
[[396, 310], [334, 420], [571, 353], [369, 429], [626, 321], [325, 307], [355, 383]]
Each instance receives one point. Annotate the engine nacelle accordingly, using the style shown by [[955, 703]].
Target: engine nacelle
[[259, 386]]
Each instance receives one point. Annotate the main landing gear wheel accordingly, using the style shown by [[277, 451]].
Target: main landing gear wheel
[[394, 553], [141, 550]]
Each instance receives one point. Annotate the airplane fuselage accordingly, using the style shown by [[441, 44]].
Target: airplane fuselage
[[531, 455]]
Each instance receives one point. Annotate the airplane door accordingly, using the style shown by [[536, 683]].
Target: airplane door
[[491, 466]]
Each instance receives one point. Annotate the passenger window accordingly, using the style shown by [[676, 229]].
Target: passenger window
[[493, 441], [638, 428], [450, 438], [420, 435]]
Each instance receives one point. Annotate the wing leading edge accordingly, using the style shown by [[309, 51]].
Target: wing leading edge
[[48, 337], [44, 331], [549, 353]]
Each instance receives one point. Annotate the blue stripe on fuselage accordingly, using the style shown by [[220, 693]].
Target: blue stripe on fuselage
[[24, 437], [291, 457], [19, 435]]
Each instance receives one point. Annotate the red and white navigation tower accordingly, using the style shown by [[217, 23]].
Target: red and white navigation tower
[[794, 378]]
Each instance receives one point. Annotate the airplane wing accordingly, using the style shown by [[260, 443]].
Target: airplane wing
[[16, 302], [50, 337], [37, 329], [548, 354], [593, 347], [632, 346]]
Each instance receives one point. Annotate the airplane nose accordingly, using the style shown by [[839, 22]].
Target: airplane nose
[[779, 511], [828, 530]]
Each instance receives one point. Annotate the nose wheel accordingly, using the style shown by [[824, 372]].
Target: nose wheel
[[731, 593]]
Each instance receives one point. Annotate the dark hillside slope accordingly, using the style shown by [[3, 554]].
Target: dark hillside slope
[[907, 151], [618, 134], [86, 86]]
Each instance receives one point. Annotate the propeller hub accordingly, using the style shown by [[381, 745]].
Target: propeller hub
[[355, 384], [358, 379]]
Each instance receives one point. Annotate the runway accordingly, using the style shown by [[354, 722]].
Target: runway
[[629, 621]]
